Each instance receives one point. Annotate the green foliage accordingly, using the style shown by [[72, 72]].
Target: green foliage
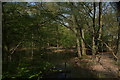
[[42, 26], [68, 39], [29, 70]]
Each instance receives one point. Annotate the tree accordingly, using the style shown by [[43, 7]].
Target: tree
[[93, 36]]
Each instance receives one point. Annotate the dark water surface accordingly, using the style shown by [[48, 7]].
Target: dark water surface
[[62, 62]]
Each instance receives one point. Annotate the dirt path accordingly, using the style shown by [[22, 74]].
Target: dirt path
[[103, 66], [106, 66]]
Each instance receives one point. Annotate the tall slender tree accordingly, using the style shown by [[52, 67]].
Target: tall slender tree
[[93, 32]]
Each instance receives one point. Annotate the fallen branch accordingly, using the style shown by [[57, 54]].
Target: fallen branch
[[16, 47], [109, 49]]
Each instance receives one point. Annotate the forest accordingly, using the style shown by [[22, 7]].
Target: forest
[[60, 40]]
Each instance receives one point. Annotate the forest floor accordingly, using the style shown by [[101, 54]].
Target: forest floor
[[99, 66], [104, 68]]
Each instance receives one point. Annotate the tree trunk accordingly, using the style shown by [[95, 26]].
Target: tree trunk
[[117, 45], [93, 46], [32, 53], [118, 50], [57, 34], [118, 41], [100, 27], [100, 20], [93, 34], [83, 44], [77, 36], [78, 47], [118, 15]]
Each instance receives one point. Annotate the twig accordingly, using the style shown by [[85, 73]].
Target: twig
[[16, 47]]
